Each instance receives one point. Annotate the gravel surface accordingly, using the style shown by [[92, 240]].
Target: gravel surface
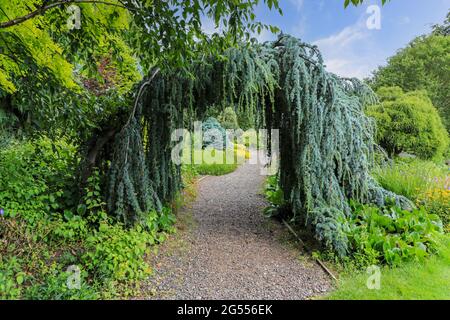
[[233, 251]]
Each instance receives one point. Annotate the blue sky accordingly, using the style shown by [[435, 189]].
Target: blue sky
[[348, 46]]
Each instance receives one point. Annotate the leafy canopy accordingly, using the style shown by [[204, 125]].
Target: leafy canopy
[[46, 48], [166, 33], [52, 77]]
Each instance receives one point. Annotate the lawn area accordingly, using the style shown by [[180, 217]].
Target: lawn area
[[427, 280], [216, 162]]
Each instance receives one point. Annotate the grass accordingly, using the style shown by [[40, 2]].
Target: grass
[[428, 280], [215, 169], [216, 162], [423, 182], [410, 178]]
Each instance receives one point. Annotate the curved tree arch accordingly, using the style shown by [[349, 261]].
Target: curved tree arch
[[326, 141]]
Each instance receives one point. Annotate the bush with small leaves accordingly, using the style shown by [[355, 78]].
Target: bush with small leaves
[[408, 122]]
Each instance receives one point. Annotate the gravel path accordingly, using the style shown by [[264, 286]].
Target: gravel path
[[234, 252]]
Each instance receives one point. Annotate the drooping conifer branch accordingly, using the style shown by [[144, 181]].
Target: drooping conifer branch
[[326, 141]]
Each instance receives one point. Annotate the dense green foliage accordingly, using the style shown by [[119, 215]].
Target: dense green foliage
[[423, 65], [228, 119], [168, 33], [391, 235], [80, 77], [35, 178], [43, 231], [409, 123], [274, 194]]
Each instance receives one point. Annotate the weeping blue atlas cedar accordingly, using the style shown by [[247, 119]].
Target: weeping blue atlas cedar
[[326, 141]]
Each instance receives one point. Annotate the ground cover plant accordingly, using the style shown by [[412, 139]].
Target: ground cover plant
[[43, 233]]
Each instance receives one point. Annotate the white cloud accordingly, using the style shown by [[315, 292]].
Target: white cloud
[[298, 4], [350, 52], [345, 38]]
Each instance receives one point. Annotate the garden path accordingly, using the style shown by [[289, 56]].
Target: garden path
[[232, 251]]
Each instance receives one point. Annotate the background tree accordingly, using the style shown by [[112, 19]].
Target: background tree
[[228, 118], [408, 122], [423, 64]]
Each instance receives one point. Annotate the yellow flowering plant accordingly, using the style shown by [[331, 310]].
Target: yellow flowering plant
[[437, 199]]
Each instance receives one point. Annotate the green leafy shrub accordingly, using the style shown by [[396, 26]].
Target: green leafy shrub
[[35, 178], [34, 258], [274, 194], [389, 93], [71, 228], [116, 253], [391, 235], [228, 119], [161, 222], [55, 288], [409, 122], [42, 233], [11, 278], [437, 201], [92, 206]]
